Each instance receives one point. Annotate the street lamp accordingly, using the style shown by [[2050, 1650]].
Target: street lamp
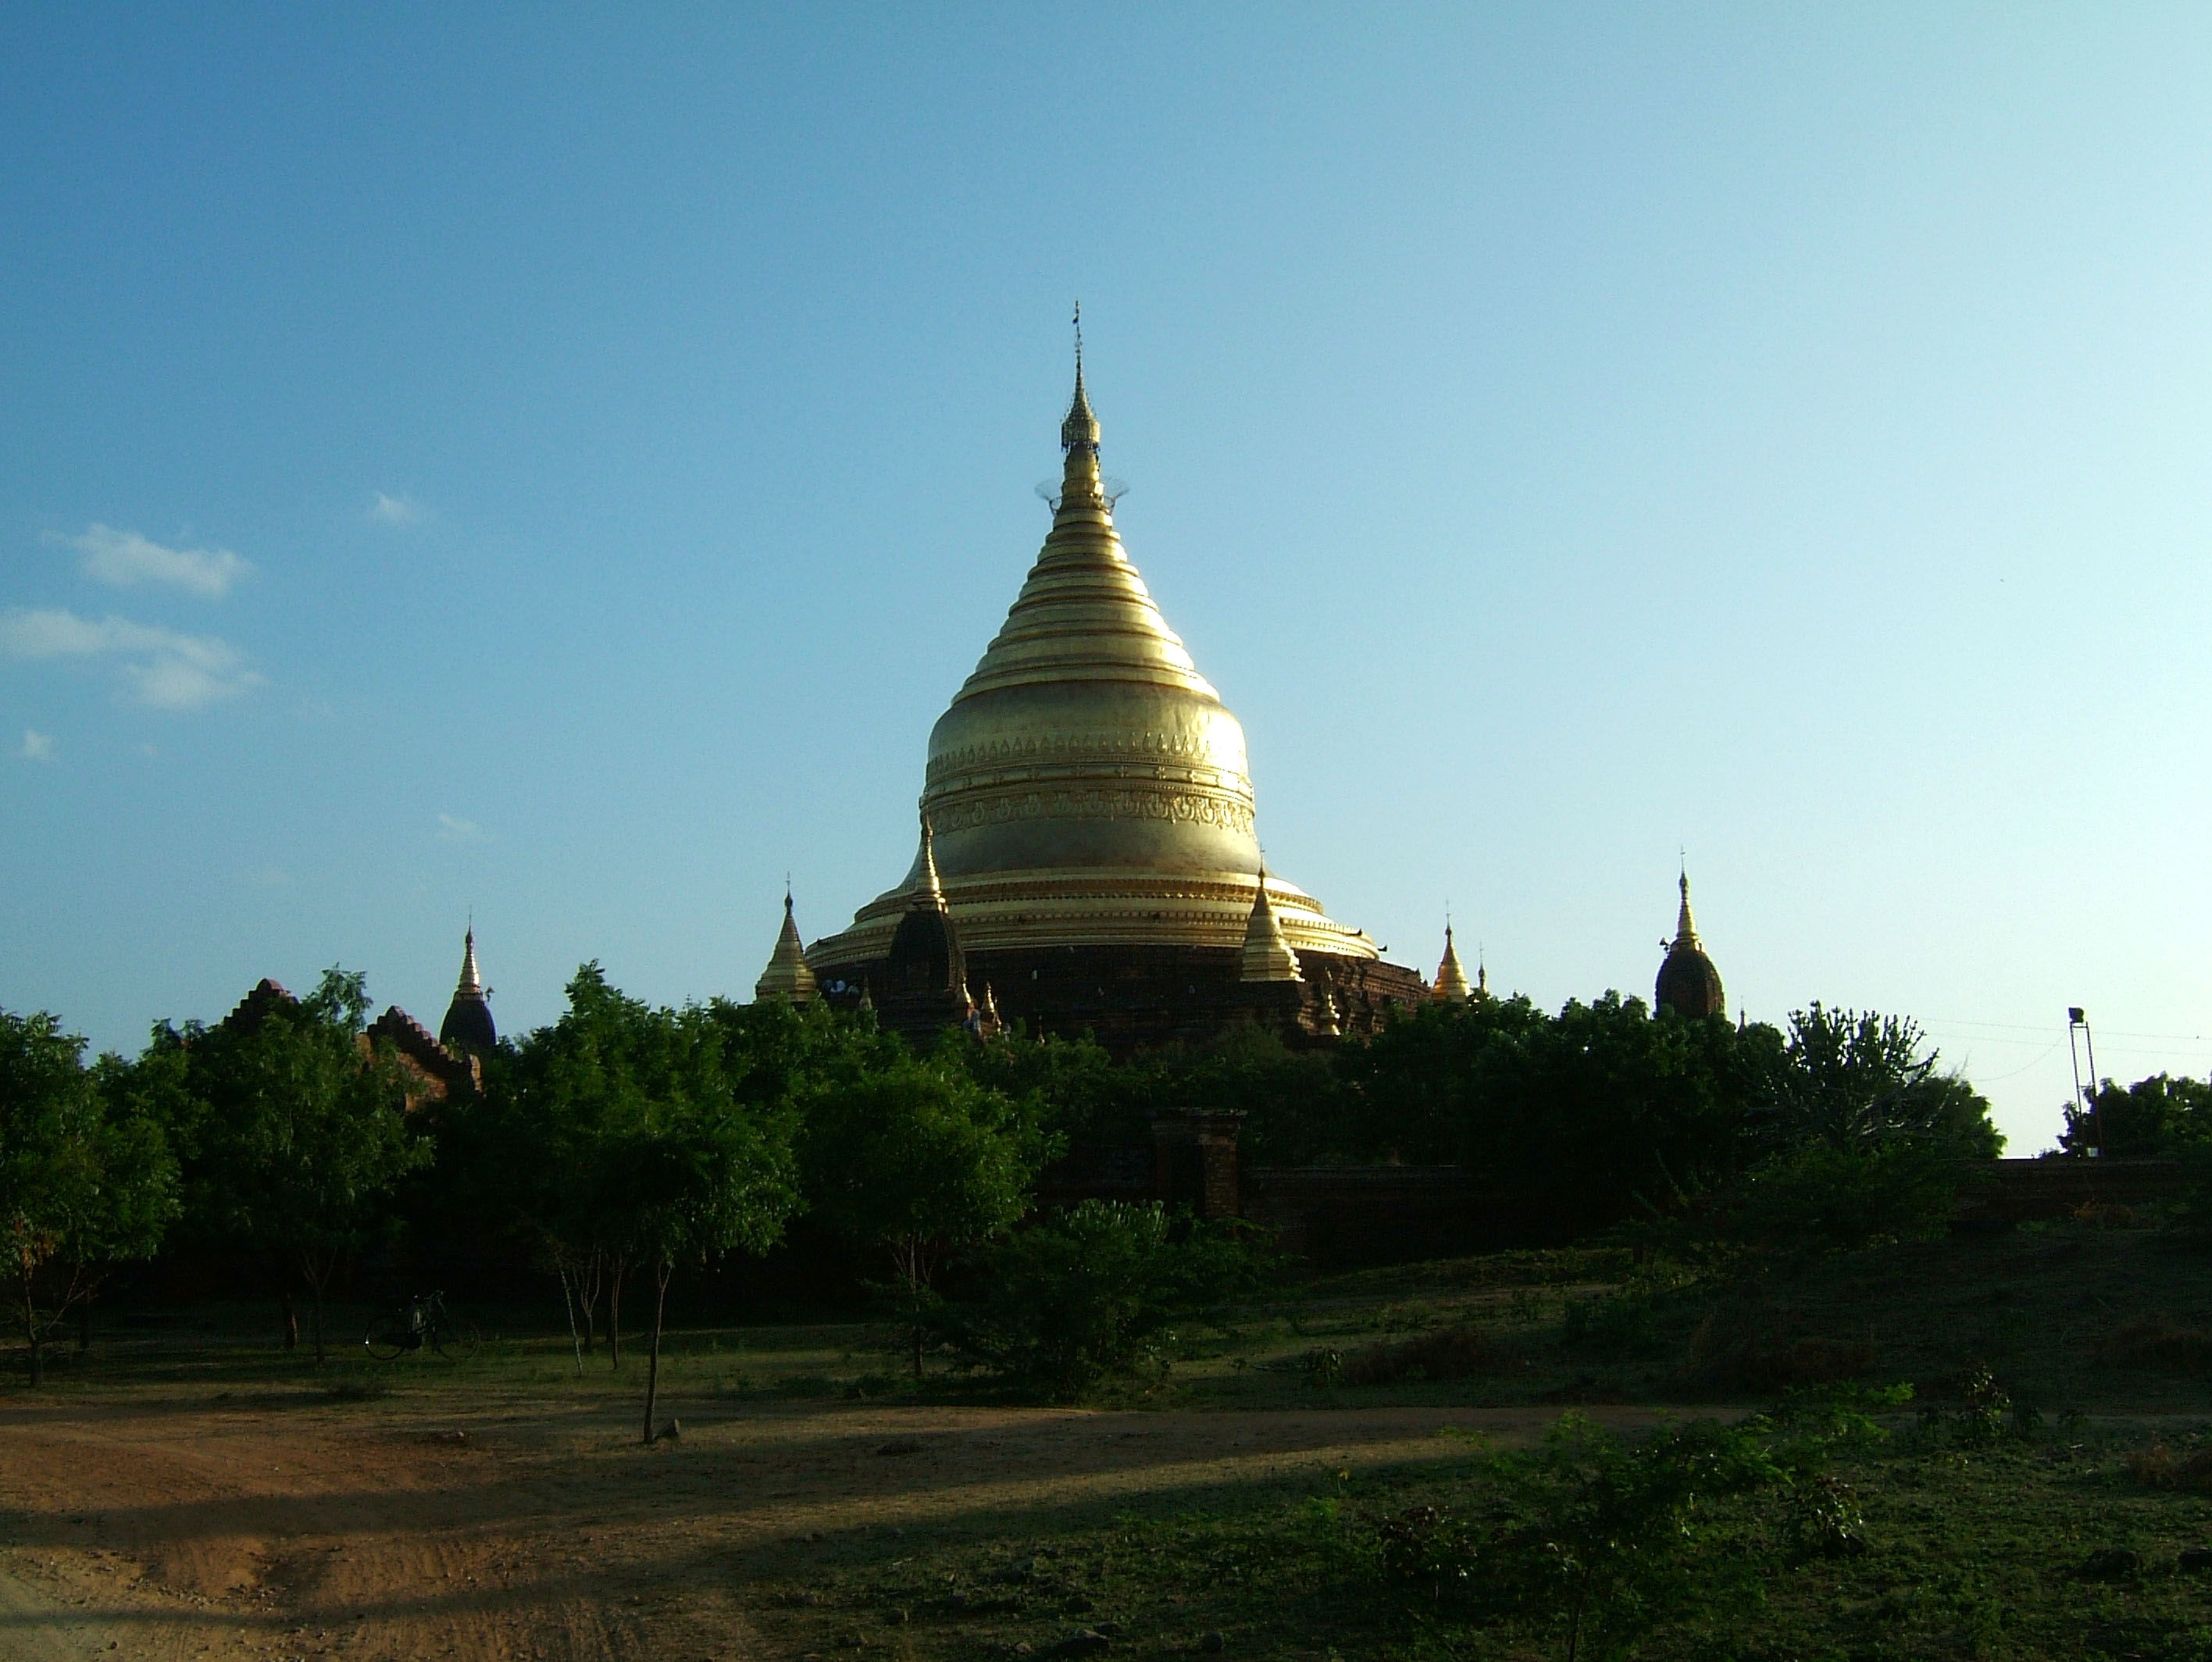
[[2076, 1020]]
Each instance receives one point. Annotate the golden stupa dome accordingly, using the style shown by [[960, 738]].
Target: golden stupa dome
[[1087, 785]]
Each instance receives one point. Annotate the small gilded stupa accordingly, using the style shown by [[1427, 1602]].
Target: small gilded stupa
[[1689, 983], [1090, 819], [1451, 984], [788, 975], [468, 1024]]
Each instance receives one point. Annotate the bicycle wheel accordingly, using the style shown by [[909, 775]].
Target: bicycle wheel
[[457, 1340], [385, 1345]]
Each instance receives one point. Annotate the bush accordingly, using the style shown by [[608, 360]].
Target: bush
[[1820, 1198], [2160, 1467], [1747, 1347], [2158, 1340], [1456, 1353], [1597, 1540], [1611, 1325], [1092, 1293]]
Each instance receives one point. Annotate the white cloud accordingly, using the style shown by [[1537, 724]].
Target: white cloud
[[37, 747], [401, 510], [124, 558], [169, 670], [451, 829]]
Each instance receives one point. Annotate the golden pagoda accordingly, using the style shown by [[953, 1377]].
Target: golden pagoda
[[1093, 809], [1451, 986], [788, 975]]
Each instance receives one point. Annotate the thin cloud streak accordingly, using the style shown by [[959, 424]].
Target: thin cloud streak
[[401, 510], [451, 829], [36, 746], [124, 559], [171, 671]]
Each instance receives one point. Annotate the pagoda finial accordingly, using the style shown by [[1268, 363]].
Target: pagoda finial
[[1079, 432], [1686, 927], [1080, 486], [471, 983]]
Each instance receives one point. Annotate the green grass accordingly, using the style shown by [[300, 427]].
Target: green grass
[[1973, 1552]]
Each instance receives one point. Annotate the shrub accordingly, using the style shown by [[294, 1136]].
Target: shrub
[[1819, 1197], [1735, 1349], [2160, 1467], [1596, 1539], [1611, 1325], [2158, 1340], [1984, 1411], [1093, 1292], [1455, 1353]]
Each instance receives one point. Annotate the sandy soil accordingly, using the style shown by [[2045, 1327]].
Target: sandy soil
[[179, 1525]]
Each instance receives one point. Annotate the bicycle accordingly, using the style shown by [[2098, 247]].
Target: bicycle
[[422, 1324]]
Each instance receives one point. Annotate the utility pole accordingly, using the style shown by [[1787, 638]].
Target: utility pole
[[2076, 1022]]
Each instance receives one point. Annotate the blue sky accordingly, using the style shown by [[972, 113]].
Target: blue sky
[[560, 462]]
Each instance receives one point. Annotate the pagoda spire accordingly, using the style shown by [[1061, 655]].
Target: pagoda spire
[[1268, 956], [468, 1025], [1686, 926], [788, 975], [1081, 486], [1451, 978]]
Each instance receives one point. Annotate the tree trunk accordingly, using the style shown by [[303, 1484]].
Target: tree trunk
[[291, 1317], [84, 1324], [591, 1282], [662, 1268], [908, 1253], [569, 1304], [617, 1272], [316, 1274], [31, 1328]]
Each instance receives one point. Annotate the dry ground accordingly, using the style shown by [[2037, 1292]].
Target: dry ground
[[169, 1523]]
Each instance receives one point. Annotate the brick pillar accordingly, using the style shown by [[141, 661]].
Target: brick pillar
[[1194, 1159]]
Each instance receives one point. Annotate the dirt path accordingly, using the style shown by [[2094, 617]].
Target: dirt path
[[180, 1527]]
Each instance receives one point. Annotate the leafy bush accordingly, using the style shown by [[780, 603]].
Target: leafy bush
[[1611, 1325], [2160, 1467], [1093, 1292], [1594, 1540], [1819, 1197], [1748, 1347], [1984, 1409], [1455, 1353], [2158, 1340]]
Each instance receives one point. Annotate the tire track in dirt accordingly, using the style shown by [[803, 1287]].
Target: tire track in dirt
[[528, 1530]]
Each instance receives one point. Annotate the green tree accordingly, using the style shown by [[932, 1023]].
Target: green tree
[[649, 1136], [1856, 1079], [2153, 1117], [300, 1135], [81, 1188], [917, 1158], [1865, 1140], [1600, 1111], [1094, 1291]]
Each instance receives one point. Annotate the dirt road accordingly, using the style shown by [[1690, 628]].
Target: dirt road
[[282, 1525]]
